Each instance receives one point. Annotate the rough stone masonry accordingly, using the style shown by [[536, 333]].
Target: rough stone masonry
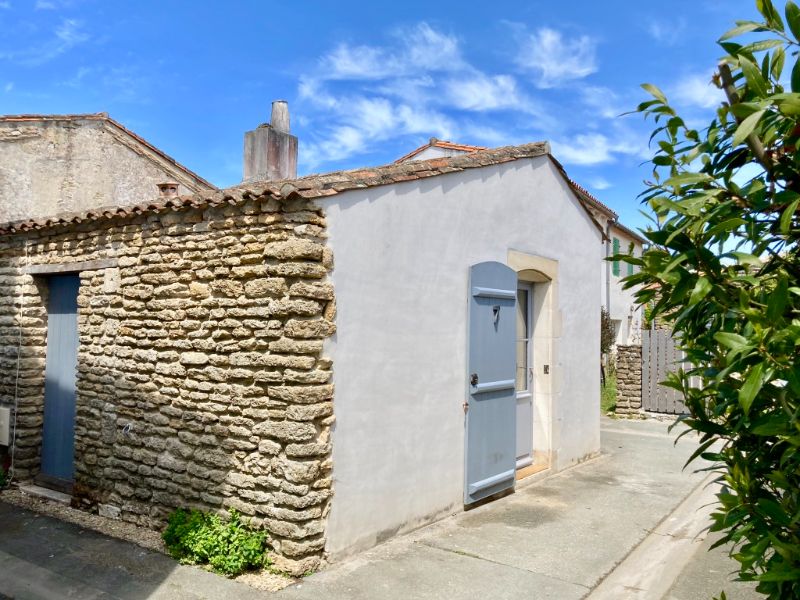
[[629, 380], [201, 380]]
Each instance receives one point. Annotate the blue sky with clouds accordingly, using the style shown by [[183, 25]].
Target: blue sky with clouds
[[369, 81]]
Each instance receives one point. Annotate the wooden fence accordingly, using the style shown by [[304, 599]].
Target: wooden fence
[[660, 356]]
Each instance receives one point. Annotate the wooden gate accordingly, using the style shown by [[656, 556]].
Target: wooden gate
[[659, 357]]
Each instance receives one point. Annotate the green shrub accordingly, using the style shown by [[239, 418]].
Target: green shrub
[[723, 270], [228, 547], [3, 478]]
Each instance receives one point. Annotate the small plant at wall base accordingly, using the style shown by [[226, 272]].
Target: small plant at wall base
[[607, 336], [723, 270], [228, 547]]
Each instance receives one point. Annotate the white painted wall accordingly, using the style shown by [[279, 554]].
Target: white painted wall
[[623, 307], [402, 254]]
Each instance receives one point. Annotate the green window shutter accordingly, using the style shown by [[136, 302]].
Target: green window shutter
[[615, 250], [630, 269]]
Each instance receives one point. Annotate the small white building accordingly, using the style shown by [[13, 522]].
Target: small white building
[[341, 357], [625, 313]]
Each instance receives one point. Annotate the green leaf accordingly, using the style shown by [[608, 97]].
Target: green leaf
[[793, 18], [657, 93], [746, 127], [777, 301], [744, 27], [743, 258], [761, 46], [751, 387], [796, 77], [786, 217], [755, 81], [700, 291], [734, 341]]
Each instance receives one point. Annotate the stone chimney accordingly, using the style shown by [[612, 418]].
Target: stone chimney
[[270, 151]]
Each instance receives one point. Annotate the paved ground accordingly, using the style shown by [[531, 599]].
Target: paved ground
[[556, 538], [44, 558]]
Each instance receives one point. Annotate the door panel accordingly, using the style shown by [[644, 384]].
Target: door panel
[[58, 437], [491, 402]]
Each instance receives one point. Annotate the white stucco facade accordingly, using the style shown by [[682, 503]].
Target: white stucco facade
[[402, 254], [623, 309]]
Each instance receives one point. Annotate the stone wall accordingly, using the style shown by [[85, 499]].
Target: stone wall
[[51, 165], [201, 380], [629, 380]]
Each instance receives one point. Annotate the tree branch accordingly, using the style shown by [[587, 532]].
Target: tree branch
[[755, 145]]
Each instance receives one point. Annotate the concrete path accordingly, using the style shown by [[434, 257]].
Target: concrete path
[[621, 525], [556, 538], [42, 558]]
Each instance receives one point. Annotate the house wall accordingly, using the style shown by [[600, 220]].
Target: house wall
[[402, 255], [623, 307], [201, 380], [49, 167]]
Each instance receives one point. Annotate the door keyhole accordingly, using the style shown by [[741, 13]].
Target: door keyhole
[[495, 314]]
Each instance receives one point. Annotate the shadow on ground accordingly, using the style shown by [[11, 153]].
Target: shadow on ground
[[44, 558]]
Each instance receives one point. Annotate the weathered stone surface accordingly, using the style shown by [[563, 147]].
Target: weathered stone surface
[[629, 380], [201, 380]]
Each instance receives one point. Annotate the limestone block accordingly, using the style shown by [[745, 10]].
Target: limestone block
[[297, 248]]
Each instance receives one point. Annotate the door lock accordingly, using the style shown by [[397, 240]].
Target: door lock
[[473, 379]]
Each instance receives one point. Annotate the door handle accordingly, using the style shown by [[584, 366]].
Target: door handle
[[473, 379]]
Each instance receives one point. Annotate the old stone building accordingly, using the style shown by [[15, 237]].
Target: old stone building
[[199, 339], [55, 164]]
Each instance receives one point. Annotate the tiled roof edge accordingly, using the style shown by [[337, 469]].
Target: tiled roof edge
[[310, 186]]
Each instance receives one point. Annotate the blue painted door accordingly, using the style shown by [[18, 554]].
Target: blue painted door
[[58, 436], [491, 398]]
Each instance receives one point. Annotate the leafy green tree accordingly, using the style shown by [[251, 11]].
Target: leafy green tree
[[723, 269]]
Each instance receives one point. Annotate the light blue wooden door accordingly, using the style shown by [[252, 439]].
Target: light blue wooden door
[[58, 436], [491, 401]]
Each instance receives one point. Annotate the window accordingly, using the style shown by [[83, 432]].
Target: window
[[630, 269], [614, 251], [523, 337]]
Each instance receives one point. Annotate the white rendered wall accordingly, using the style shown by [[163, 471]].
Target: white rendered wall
[[623, 304], [402, 254]]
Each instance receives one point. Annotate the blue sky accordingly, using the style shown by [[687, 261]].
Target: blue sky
[[369, 81]]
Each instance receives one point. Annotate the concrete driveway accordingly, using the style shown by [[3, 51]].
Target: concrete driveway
[[556, 538], [620, 526]]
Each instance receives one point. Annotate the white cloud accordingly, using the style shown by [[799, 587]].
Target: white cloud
[[5, 5], [600, 183], [555, 59], [600, 148], [68, 34], [420, 48], [666, 32], [698, 91], [356, 123], [8, 87], [478, 91], [45, 5], [417, 84], [603, 101]]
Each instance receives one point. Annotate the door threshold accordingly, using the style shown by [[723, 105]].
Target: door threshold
[[45, 493], [531, 470], [54, 483]]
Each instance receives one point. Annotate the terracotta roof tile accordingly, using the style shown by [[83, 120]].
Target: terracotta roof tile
[[311, 186], [437, 143]]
